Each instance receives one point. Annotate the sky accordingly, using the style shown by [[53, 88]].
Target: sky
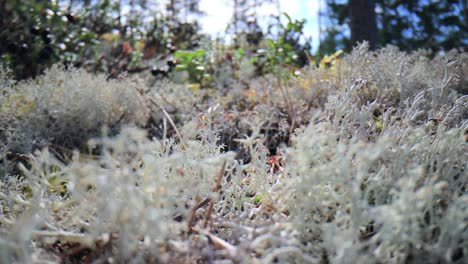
[[219, 12]]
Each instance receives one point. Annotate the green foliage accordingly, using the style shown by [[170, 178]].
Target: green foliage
[[279, 52], [286, 50], [290, 37], [97, 35], [101, 37], [36, 34], [194, 63], [261, 56]]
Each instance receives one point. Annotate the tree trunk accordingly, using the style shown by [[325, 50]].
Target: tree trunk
[[363, 23]]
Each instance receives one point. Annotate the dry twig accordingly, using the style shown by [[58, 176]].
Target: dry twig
[[217, 189], [140, 91], [219, 243], [193, 212]]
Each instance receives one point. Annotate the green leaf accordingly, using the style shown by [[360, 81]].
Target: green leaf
[[199, 53], [181, 54], [287, 16], [240, 52], [291, 54], [271, 42], [257, 198]]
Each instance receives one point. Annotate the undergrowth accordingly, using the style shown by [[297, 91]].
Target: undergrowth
[[360, 160]]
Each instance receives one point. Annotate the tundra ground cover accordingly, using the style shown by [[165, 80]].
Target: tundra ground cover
[[359, 160]]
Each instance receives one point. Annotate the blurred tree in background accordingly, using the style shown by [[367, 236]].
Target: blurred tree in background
[[362, 22], [244, 25], [410, 25], [115, 36]]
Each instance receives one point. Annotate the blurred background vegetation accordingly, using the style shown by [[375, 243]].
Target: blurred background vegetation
[[159, 37]]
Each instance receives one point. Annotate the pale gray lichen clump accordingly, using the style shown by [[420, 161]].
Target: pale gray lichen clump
[[363, 162], [66, 107]]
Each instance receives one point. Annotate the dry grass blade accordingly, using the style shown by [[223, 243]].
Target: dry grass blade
[[166, 115], [219, 243], [217, 190], [53, 236], [170, 121]]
